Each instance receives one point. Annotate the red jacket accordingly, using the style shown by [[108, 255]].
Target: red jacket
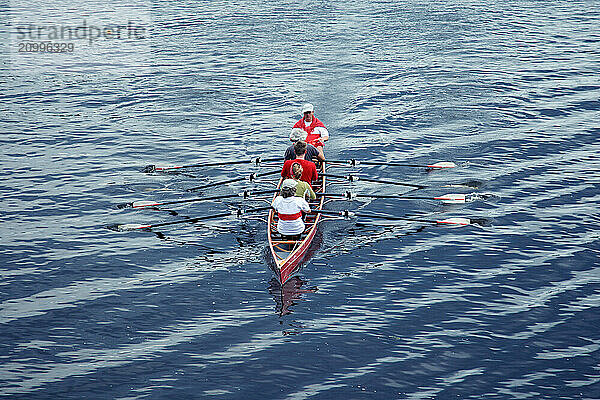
[[309, 170], [309, 129]]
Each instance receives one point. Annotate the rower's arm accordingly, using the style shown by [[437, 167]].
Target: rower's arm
[[305, 207], [320, 156], [323, 132]]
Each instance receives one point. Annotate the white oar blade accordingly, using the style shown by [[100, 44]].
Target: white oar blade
[[142, 203], [165, 167], [455, 221], [442, 164], [452, 198], [131, 227]]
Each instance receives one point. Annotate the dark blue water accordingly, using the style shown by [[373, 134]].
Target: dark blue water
[[508, 308]]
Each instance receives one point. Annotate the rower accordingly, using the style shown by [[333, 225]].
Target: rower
[[309, 168], [289, 209], [317, 133], [311, 151], [303, 189]]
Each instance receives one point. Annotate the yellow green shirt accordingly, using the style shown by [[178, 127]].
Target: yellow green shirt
[[303, 187]]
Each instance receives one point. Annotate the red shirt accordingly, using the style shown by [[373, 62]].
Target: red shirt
[[309, 129], [309, 170]]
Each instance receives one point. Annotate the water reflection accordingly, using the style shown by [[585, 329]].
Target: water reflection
[[289, 294]]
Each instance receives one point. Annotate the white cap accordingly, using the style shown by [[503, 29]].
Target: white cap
[[307, 107], [298, 134], [289, 184]]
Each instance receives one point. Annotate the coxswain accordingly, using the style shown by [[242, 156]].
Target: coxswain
[[311, 151], [289, 209], [317, 133], [303, 189], [309, 169]]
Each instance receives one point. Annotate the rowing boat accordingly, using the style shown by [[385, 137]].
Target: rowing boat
[[288, 254]]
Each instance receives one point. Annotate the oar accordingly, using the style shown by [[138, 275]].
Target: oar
[[246, 194], [251, 178], [257, 161], [237, 213], [447, 198], [352, 162], [355, 178], [449, 221]]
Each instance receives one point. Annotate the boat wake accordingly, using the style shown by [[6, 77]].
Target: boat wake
[[471, 197]]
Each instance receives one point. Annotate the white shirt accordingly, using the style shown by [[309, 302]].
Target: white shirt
[[290, 205]]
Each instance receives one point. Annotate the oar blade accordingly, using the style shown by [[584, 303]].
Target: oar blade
[[442, 164], [165, 167], [456, 221], [131, 227], [144, 203], [153, 168], [452, 198]]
